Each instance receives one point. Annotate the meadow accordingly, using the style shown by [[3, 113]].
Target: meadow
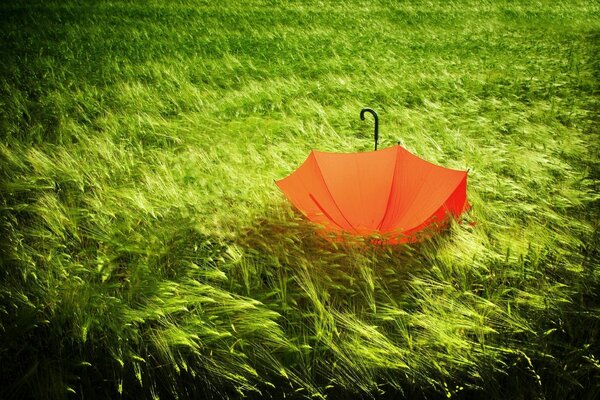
[[145, 251]]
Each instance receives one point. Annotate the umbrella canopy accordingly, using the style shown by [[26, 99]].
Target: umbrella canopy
[[390, 192]]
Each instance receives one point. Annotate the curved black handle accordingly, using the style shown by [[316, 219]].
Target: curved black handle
[[362, 117]]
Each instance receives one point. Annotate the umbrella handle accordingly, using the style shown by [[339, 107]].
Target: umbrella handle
[[362, 118]]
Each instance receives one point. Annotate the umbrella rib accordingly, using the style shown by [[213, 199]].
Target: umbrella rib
[[331, 196], [324, 212], [387, 206], [427, 221], [358, 183]]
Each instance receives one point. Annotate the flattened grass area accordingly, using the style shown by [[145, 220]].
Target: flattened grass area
[[147, 253]]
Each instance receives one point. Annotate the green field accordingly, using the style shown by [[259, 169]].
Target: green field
[[145, 251]]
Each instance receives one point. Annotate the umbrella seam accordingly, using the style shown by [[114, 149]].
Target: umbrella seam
[[358, 183], [443, 205], [387, 206], [323, 210], [418, 192], [331, 196]]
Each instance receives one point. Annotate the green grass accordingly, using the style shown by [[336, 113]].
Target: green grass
[[146, 251]]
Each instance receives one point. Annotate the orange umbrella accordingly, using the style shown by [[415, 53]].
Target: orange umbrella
[[390, 192]]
